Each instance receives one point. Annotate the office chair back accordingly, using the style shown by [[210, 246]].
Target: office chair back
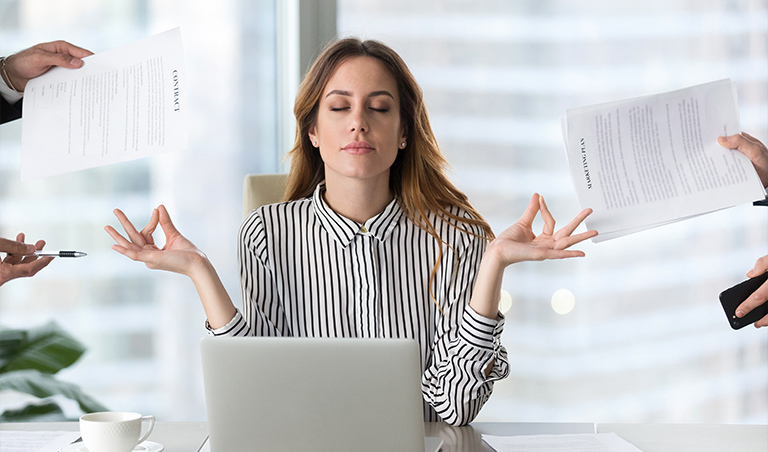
[[262, 189]]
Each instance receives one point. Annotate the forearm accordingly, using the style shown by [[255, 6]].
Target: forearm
[[218, 307], [487, 290]]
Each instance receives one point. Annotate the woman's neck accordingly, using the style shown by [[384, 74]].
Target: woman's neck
[[358, 199]]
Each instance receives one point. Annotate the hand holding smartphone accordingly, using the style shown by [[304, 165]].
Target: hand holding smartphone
[[733, 297]]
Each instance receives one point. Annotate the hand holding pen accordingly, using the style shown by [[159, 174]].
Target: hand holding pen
[[20, 260]]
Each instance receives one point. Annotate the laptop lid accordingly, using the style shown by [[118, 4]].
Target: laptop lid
[[294, 394]]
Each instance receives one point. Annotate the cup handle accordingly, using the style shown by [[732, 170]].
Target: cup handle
[[151, 420]]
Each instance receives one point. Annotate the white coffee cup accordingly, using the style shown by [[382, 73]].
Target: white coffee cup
[[113, 431]]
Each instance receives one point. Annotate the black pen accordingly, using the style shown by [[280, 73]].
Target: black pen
[[60, 253]]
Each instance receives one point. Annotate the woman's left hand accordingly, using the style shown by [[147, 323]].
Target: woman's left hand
[[519, 243]]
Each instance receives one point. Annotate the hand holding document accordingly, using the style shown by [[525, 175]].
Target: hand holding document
[[653, 160], [123, 104]]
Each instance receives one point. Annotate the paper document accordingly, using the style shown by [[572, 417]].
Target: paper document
[[35, 441], [582, 442], [122, 104], [652, 160]]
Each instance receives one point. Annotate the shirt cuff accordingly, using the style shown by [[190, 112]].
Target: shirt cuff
[[479, 331], [8, 94], [229, 329]]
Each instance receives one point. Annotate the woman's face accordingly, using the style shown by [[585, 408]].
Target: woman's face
[[358, 128]]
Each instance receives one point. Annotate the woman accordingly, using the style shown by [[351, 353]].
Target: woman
[[373, 239]]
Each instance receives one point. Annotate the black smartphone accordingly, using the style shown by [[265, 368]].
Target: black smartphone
[[733, 297]]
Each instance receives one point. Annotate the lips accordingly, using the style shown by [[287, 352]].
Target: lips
[[358, 147]]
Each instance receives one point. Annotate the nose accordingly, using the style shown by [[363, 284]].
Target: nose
[[358, 121]]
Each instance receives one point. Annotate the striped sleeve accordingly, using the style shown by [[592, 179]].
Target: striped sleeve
[[465, 344]]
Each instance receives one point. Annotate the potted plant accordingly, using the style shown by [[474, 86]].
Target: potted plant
[[29, 360]]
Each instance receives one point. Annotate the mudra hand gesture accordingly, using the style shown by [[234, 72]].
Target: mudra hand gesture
[[178, 255], [519, 243]]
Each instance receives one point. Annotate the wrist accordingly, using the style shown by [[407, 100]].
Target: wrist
[[12, 82], [494, 258], [200, 266]]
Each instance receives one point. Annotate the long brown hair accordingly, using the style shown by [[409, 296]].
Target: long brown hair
[[417, 177]]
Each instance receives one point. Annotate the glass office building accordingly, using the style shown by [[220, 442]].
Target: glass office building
[[645, 339]]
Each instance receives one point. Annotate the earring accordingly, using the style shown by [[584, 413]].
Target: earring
[[314, 143], [402, 145]]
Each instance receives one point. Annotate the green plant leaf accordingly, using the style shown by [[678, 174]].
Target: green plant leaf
[[10, 343], [47, 411], [43, 385], [46, 348]]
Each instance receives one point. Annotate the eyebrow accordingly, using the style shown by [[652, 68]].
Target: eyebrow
[[341, 92]]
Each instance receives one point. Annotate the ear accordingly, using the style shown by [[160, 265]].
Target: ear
[[313, 134], [403, 137]]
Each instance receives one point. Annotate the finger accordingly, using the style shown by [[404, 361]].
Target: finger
[[147, 257], [149, 229], [549, 220], [16, 246], [563, 254], [569, 241], [33, 264], [32, 257], [757, 298], [573, 224], [762, 322], [134, 235], [165, 222], [66, 47], [64, 54], [530, 212], [744, 143], [133, 253], [40, 264], [117, 237], [735, 141], [761, 266]]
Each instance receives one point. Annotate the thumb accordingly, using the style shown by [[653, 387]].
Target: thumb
[[730, 142], [761, 266]]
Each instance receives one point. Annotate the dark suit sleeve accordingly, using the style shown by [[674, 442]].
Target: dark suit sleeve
[[9, 112]]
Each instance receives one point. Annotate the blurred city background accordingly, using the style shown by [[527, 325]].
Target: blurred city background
[[644, 339]]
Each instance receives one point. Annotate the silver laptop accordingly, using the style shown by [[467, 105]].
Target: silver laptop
[[310, 394]]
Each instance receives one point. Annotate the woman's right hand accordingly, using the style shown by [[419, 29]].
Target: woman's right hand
[[179, 255]]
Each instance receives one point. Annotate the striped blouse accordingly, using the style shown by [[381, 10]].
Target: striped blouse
[[307, 271]]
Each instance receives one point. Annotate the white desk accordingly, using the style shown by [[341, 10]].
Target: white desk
[[174, 436], [191, 436], [646, 437]]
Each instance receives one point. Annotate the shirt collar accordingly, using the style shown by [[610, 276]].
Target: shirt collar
[[344, 230]]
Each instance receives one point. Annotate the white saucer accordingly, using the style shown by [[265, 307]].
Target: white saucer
[[146, 446]]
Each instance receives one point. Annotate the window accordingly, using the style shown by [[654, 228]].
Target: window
[[646, 340], [142, 327]]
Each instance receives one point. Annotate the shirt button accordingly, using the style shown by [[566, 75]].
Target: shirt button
[[363, 229]]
